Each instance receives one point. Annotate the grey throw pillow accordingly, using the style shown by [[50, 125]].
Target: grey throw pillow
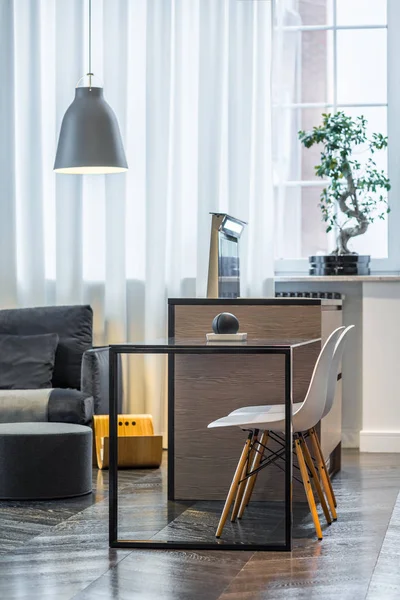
[[27, 361]]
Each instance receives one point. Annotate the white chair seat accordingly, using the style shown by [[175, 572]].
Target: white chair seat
[[257, 417], [256, 420], [266, 408]]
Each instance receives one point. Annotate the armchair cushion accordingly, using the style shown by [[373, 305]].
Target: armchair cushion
[[56, 405], [27, 361], [24, 406]]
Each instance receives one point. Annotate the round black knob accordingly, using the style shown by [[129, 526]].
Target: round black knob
[[225, 323]]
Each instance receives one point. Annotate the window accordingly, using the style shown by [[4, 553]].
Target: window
[[329, 55]]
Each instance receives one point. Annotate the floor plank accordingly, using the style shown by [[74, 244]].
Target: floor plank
[[60, 549], [385, 580], [341, 566]]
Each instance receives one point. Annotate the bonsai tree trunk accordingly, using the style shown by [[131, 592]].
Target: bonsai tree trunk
[[346, 234], [351, 211]]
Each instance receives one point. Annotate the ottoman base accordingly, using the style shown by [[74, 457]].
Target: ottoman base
[[45, 461]]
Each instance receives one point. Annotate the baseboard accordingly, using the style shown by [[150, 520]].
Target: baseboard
[[350, 438], [379, 441]]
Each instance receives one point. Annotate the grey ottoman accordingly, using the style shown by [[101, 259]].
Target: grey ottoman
[[43, 461]]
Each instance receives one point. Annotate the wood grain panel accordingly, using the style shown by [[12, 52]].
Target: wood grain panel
[[304, 358], [194, 321], [209, 387]]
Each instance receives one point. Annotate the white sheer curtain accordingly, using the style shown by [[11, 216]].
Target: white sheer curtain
[[189, 81], [286, 90]]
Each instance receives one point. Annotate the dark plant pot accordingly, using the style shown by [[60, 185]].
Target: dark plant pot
[[345, 264]]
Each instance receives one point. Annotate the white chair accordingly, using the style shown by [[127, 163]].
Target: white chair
[[318, 456], [305, 417], [330, 397]]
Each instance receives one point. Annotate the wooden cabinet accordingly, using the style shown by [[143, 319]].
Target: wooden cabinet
[[208, 387]]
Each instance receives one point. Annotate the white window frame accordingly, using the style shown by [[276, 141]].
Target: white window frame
[[392, 262]]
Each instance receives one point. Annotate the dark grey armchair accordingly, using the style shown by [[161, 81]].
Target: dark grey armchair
[[80, 374]]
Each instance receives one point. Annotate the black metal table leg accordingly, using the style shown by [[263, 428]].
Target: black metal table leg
[[288, 450], [113, 447]]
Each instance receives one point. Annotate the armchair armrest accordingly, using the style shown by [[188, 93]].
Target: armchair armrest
[[55, 405], [94, 379], [70, 406]]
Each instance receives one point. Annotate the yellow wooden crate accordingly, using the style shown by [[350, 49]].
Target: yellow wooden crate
[[137, 444]]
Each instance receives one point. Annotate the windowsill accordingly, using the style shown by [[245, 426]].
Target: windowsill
[[339, 278]]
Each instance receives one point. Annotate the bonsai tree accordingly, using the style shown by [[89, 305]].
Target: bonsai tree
[[358, 191]]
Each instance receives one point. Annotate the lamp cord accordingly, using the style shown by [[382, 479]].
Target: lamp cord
[[90, 43]]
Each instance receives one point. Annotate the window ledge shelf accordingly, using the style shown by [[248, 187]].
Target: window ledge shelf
[[339, 278]]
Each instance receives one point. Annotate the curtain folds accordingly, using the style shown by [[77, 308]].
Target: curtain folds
[[189, 81], [286, 90]]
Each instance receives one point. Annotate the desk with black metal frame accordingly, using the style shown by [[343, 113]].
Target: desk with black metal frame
[[196, 347]]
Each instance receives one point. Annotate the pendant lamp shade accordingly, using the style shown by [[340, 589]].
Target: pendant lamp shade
[[90, 140]]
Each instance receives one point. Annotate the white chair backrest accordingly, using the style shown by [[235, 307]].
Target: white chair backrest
[[313, 406], [332, 378]]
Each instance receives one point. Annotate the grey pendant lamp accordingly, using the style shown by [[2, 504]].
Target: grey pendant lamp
[[90, 140]]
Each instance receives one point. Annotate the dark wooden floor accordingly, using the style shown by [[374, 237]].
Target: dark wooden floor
[[58, 550]]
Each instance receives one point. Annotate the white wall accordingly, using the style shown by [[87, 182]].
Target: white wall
[[352, 363], [381, 368], [371, 366]]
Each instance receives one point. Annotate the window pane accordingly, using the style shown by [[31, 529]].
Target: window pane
[[374, 241], [287, 216], [302, 232], [308, 78], [314, 239], [310, 157], [377, 123], [361, 63], [299, 228], [316, 66], [361, 12], [316, 12], [286, 147], [293, 162]]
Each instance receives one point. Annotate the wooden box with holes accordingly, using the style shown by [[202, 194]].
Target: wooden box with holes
[[138, 447]]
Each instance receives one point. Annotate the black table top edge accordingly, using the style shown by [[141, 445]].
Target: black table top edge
[[247, 301], [246, 346]]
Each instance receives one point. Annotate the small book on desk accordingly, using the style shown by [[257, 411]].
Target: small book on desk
[[226, 337]]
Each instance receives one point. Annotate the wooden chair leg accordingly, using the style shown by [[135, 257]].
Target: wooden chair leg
[[242, 484], [240, 492], [308, 489], [326, 470], [323, 472], [314, 475], [252, 480], [234, 486]]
